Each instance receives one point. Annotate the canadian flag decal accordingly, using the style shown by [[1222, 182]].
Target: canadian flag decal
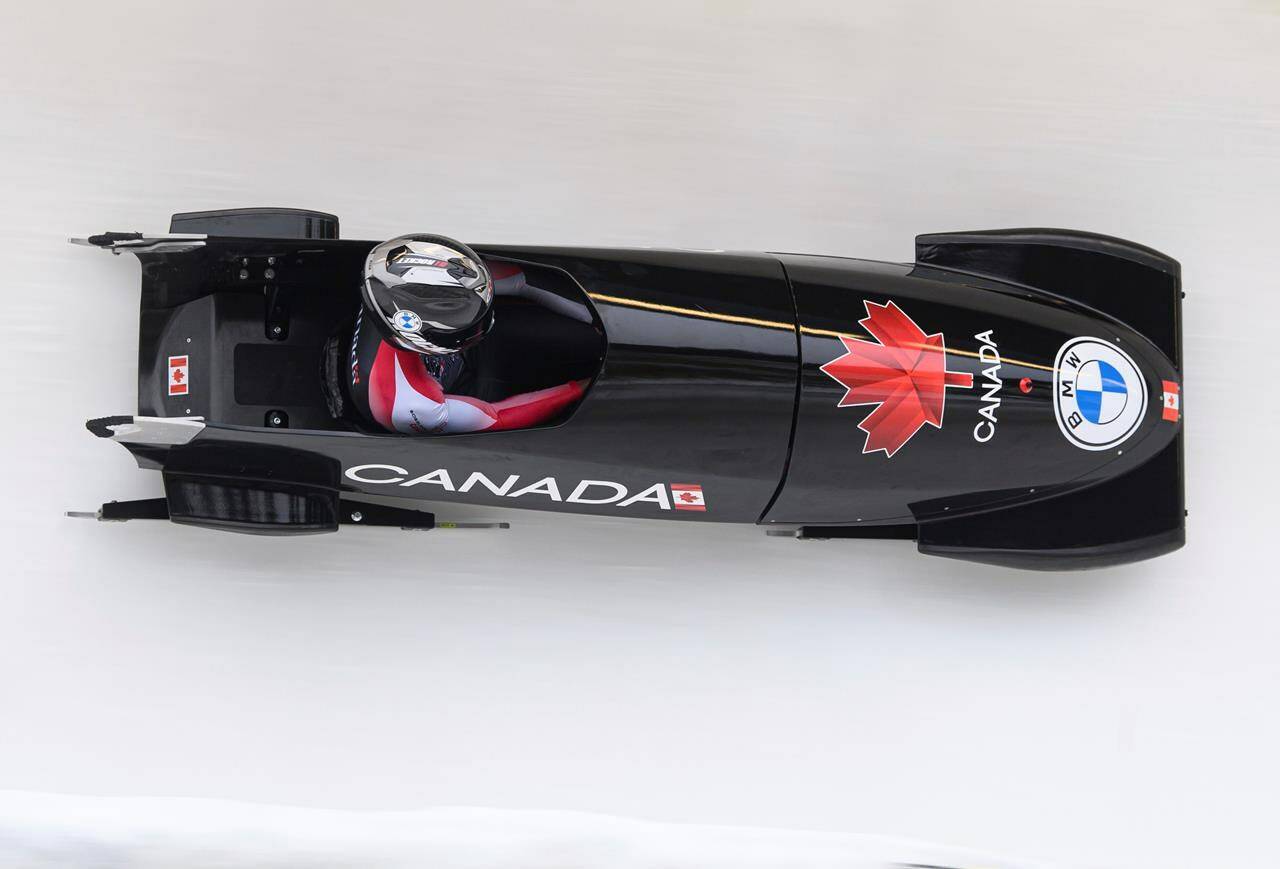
[[1172, 401], [688, 496], [903, 372], [178, 375]]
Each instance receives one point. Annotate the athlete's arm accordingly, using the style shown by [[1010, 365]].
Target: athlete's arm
[[404, 397], [524, 410]]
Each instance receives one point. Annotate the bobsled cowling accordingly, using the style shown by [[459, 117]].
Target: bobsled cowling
[[829, 397]]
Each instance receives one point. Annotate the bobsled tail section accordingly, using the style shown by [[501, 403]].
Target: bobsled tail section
[[244, 488], [1136, 515]]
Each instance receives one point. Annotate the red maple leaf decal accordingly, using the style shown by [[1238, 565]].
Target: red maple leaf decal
[[905, 374]]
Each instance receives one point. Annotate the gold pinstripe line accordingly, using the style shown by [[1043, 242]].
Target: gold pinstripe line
[[771, 324]]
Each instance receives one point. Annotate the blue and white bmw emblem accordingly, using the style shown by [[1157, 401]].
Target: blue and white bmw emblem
[[1100, 396], [407, 321]]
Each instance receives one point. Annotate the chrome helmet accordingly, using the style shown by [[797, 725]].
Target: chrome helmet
[[428, 293]]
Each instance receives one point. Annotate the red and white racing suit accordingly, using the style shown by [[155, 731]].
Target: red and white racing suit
[[401, 391]]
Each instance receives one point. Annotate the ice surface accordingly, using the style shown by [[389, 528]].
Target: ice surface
[[43, 830]]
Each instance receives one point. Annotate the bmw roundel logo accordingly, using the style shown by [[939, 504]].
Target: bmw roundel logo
[[406, 321], [1100, 396]]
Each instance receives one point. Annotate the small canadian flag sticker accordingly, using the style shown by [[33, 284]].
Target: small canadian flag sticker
[[178, 375], [688, 496], [1172, 401]]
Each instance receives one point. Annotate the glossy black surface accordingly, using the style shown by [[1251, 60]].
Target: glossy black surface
[[1133, 283], [1138, 514], [947, 470], [708, 371], [221, 303], [697, 384]]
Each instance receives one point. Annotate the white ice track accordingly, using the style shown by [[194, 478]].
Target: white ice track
[[665, 672], [42, 831]]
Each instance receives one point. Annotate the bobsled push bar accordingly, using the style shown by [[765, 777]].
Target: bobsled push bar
[[246, 488]]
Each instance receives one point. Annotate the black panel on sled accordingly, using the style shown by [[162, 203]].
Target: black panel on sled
[[252, 488], [257, 223], [1133, 283], [1139, 515], [275, 375], [230, 506], [215, 305], [1134, 517]]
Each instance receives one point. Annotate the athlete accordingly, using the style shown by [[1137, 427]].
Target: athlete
[[427, 298]]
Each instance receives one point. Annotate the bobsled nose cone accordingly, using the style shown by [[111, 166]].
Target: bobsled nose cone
[[1101, 404]]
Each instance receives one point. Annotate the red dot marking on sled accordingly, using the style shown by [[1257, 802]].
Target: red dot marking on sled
[[1025, 385]]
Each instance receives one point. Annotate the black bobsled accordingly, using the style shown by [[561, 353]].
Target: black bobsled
[[1011, 397]]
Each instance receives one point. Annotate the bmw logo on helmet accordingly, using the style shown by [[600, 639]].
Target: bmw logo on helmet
[[407, 321], [1100, 396]]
